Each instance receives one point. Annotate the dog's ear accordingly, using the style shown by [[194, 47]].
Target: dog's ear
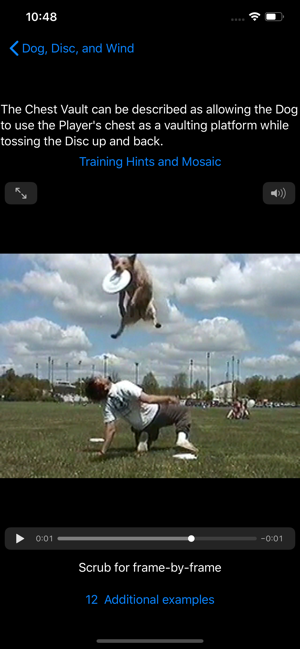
[[132, 259], [112, 257]]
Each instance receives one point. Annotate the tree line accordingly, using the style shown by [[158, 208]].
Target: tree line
[[259, 388]]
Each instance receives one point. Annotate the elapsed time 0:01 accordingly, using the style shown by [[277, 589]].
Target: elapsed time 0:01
[[44, 538]]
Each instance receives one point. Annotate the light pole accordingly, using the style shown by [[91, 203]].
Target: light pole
[[237, 377], [79, 364], [93, 370], [67, 372], [49, 365], [105, 357], [52, 369], [37, 371], [208, 371], [191, 373], [232, 373], [137, 373]]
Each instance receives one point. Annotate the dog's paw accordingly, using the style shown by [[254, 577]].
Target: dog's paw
[[158, 326], [114, 336]]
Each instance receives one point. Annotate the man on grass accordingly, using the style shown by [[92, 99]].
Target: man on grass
[[146, 413]]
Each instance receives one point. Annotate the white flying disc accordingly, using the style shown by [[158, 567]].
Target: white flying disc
[[96, 439], [250, 403], [185, 456], [115, 282]]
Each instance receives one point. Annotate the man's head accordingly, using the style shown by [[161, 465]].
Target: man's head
[[122, 263], [97, 388]]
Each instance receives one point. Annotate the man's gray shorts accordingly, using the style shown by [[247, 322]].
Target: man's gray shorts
[[167, 415]]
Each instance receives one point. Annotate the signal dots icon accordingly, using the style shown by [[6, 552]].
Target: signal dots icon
[[238, 20], [254, 15]]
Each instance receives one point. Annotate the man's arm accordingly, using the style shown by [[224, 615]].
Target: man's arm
[[154, 398], [109, 432]]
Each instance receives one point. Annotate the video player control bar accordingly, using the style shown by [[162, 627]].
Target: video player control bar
[[120, 538]]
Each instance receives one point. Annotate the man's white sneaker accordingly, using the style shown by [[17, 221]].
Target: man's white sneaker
[[142, 447], [143, 443], [183, 442]]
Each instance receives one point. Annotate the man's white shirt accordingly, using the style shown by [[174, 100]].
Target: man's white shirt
[[123, 402]]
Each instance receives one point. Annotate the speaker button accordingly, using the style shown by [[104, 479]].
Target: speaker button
[[279, 193]]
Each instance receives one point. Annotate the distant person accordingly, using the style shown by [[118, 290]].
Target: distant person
[[239, 410], [246, 413], [234, 413], [145, 413]]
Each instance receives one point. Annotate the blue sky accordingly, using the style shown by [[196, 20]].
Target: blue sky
[[246, 305]]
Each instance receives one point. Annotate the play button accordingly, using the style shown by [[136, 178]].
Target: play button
[[19, 538]]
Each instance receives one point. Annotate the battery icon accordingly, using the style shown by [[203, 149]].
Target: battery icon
[[275, 16]]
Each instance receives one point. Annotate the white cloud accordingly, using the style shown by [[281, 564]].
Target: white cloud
[[294, 328], [34, 340], [164, 359], [218, 334], [266, 285], [74, 285], [263, 284], [276, 359], [38, 335], [185, 287], [49, 284], [270, 366], [295, 347], [7, 286]]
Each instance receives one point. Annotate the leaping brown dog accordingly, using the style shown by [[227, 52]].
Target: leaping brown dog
[[140, 304]]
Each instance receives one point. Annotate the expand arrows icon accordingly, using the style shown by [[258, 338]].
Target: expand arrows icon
[[17, 189]]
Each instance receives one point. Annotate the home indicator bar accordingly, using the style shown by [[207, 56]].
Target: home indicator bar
[[149, 641]]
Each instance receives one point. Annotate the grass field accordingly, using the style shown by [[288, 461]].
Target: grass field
[[45, 440]]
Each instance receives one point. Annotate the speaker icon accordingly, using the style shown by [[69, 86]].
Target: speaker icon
[[279, 193]]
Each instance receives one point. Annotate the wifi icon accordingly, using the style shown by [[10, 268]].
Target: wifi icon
[[254, 15]]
